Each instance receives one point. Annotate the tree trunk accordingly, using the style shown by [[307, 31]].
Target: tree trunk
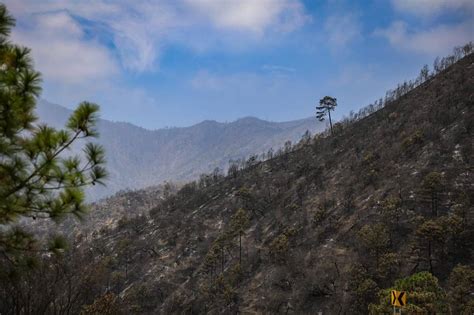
[[434, 203], [330, 121], [429, 257], [240, 249], [222, 262]]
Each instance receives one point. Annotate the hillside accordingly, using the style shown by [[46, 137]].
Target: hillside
[[138, 158], [324, 225]]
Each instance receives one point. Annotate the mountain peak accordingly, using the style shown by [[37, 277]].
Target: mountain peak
[[251, 119]]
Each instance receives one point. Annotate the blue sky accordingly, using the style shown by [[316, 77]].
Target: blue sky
[[178, 62]]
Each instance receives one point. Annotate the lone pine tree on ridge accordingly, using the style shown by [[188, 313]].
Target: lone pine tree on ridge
[[326, 105]]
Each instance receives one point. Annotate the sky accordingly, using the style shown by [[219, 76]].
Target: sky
[[172, 63]]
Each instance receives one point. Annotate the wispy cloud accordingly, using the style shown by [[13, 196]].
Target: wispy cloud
[[436, 40], [136, 30], [87, 49], [145, 55], [141, 29], [61, 51], [431, 7], [342, 29]]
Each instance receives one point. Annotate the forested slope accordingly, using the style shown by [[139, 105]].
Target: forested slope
[[321, 227]]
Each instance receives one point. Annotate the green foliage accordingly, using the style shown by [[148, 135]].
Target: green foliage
[[415, 139], [364, 293], [239, 222], [460, 290], [458, 238], [388, 265], [364, 289], [391, 210], [107, 304], [433, 181], [250, 202], [430, 242], [221, 288], [280, 245], [425, 296], [244, 192], [57, 244], [236, 228], [212, 257], [320, 215], [432, 186], [463, 206], [370, 158], [375, 239], [38, 178], [430, 230]]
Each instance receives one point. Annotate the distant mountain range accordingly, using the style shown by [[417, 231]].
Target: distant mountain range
[[137, 157]]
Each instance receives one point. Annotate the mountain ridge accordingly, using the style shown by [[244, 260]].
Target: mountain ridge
[[140, 157], [45, 109]]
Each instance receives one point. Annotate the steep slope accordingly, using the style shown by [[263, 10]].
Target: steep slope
[[324, 226], [139, 158]]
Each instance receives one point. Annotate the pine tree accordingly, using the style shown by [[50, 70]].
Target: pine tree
[[326, 105], [432, 187], [425, 296], [37, 178], [375, 239], [460, 288], [430, 238], [239, 224]]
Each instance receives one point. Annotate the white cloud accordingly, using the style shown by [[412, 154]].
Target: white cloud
[[431, 7], [135, 29], [85, 48], [251, 15], [61, 51], [139, 30], [437, 40], [341, 29]]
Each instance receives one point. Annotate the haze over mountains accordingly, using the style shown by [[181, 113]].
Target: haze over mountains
[[137, 157]]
